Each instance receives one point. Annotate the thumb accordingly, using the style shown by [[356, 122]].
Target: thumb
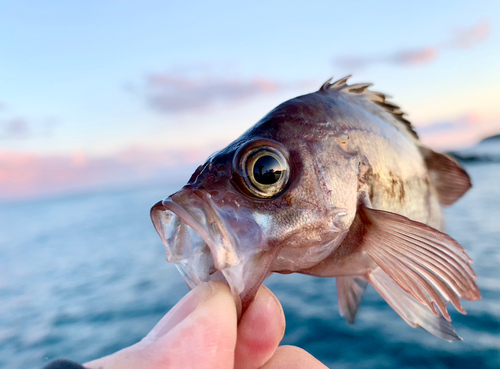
[[203, 337], [198, 332]]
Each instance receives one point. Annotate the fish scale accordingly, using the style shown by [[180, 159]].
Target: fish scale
[[347, 191]]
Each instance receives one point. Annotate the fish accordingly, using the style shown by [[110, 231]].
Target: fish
[[334, 183]]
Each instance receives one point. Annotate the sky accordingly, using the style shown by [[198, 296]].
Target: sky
[[96, 94]]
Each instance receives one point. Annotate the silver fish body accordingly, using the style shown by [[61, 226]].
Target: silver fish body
[[333, 184]]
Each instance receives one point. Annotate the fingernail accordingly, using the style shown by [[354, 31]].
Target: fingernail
[[181, 310]]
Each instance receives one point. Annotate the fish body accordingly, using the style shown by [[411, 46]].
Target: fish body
[[333, 184]]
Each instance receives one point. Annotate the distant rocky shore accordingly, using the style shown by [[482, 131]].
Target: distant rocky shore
[[486, 151]]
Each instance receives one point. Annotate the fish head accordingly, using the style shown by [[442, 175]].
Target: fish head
[[266, 203]]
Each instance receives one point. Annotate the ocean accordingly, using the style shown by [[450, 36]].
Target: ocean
[[85, 275]]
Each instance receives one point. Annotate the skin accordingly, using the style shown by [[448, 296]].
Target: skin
[[201, 331], [344, 150], [356, 171]]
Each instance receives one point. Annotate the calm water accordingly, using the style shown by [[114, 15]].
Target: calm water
[[83, 276]]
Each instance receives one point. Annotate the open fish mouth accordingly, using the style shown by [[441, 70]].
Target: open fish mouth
[[197, 238]]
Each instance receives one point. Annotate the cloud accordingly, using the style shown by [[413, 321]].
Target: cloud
[[462, 122], [172, 94], [15, 128], [462, 39], [415, 57], [21, 128], [458, 132], [469, 37], [183, 91], [27, 175]]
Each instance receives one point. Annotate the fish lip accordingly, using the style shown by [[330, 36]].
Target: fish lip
[[169, 204], [221, 248], [229, 257]]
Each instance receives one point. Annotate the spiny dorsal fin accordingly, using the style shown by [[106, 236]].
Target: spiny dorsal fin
[[341, 82], [326, 85], [361, 89], [449, 178], [358, 88]]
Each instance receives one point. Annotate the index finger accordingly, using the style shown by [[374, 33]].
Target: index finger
[[260, 331]]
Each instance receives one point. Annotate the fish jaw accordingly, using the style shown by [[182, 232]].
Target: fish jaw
[[200, 238]]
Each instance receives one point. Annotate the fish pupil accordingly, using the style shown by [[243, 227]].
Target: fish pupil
[[267, 170]]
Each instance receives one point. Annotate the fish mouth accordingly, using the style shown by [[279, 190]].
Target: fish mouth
[[209, 243]]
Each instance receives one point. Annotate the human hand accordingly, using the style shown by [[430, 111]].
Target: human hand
[[201, 331]]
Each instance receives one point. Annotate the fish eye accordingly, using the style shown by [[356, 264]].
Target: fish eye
[[262, 169], [267, 170]]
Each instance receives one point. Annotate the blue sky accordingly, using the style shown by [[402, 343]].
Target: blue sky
[[96, 79]]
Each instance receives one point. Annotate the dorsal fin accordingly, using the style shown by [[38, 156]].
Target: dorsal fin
[[361, 89], [449, 178]]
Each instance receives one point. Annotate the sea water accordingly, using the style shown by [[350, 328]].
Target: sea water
[[84, 276]]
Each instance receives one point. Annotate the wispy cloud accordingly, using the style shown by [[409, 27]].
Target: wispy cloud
[[461, 39], [415, 57], [25, 175], [22, 128], [171, 94], [184, 90], [468, 37], [466, 121], [461, 131], [15, 128]]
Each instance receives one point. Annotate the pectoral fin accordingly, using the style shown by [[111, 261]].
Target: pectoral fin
[[449, 178], [413, 312], [350, 291], [429, 265]]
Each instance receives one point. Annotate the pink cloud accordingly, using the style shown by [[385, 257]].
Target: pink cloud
[[26, 175], [469, 37], [416, 57], [458, 132], [178, 93], [464, 38]]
